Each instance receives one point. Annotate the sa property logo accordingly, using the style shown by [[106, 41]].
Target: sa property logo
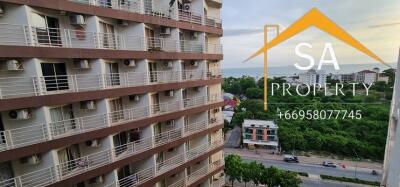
[[312, 18]]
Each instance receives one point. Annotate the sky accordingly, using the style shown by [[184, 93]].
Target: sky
[[375, 23]]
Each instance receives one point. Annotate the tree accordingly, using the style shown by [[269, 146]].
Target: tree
[[270, 176], [233, 167], [246, 173], [289, 179]]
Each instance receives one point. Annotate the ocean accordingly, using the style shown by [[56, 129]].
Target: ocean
[[291, 70]]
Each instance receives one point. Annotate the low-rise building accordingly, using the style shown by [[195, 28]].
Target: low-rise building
[[260, 133]]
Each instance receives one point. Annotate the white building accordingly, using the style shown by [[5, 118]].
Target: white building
[[260, 132], [313, 77], [110, 93]]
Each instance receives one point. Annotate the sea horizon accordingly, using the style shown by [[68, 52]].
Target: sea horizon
[[274, 71]]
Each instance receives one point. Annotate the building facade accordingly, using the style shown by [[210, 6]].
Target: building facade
[[391, 169], [111, 93], [312, 77], [260, 132]]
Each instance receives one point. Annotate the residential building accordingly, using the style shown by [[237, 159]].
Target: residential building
[[365, 76], [391, 169], [312, 77], [110, 93], [260, 133]]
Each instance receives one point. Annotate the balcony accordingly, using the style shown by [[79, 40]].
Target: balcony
[[219, 183], [22, 35], [213, 22], [135, 6], [204, 171], [189, 16], [20, 137], [161, 44], [216, 3], [75, 167], [16, 87], [166, 165]]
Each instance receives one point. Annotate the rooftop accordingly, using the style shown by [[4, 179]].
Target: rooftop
[[249, 122]]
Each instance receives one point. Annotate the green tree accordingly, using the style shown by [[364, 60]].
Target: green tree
[[289, 179], [233, 167], [246, 173]]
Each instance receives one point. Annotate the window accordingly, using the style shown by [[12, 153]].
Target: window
[[116, 108], [114, 74], [55, 76], [62, 119], [46, 29], [108, 39], [68, 156]]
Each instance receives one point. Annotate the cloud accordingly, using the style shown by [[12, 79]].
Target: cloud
[[238, 32], [385, 25]]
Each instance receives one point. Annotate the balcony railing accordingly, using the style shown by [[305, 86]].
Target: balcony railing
[[19, 137], [219, 183], [213, 48], [166, 165], [161, 44], [22, 35], [135, 6], [188, 46], [195, 176], [83, 164], [16, 87], [147, 7]]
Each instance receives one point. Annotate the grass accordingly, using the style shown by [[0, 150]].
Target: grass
[[344, 179]]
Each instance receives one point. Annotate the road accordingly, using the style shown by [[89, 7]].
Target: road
[[349, 172], [307, 182]]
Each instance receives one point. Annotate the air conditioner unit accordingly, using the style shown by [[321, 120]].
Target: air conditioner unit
[[20, 114], [169, 93], [14, 65], [187, 7], [165, 31], [194, 35], [213, 120], [168, 64], [88, 105], [170, 123], [96, 180], [82, 64], [93, 143], [77, 20], [134, 97], [197, 89], [2, 11], [32, 160], [122, 22], [194, 63], [130, 62]]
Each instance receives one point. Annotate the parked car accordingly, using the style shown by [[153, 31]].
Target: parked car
[[290, 158], [329, 164]]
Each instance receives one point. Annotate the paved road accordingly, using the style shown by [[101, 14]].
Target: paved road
[[234, 138], [307, 182], [362, 173]]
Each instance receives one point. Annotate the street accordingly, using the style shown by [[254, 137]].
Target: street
[[362, 173], [307, 182]]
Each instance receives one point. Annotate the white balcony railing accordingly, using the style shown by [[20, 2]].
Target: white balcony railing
[[199, 173], [219, 183], [161, 44], [15, 87], [213, 48], [83, 164], [166, 165], [22, 35], [148, 7], [19, 137], [189, 46]]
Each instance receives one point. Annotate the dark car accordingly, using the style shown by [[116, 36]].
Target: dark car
[[329, 164], [290, 158]]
